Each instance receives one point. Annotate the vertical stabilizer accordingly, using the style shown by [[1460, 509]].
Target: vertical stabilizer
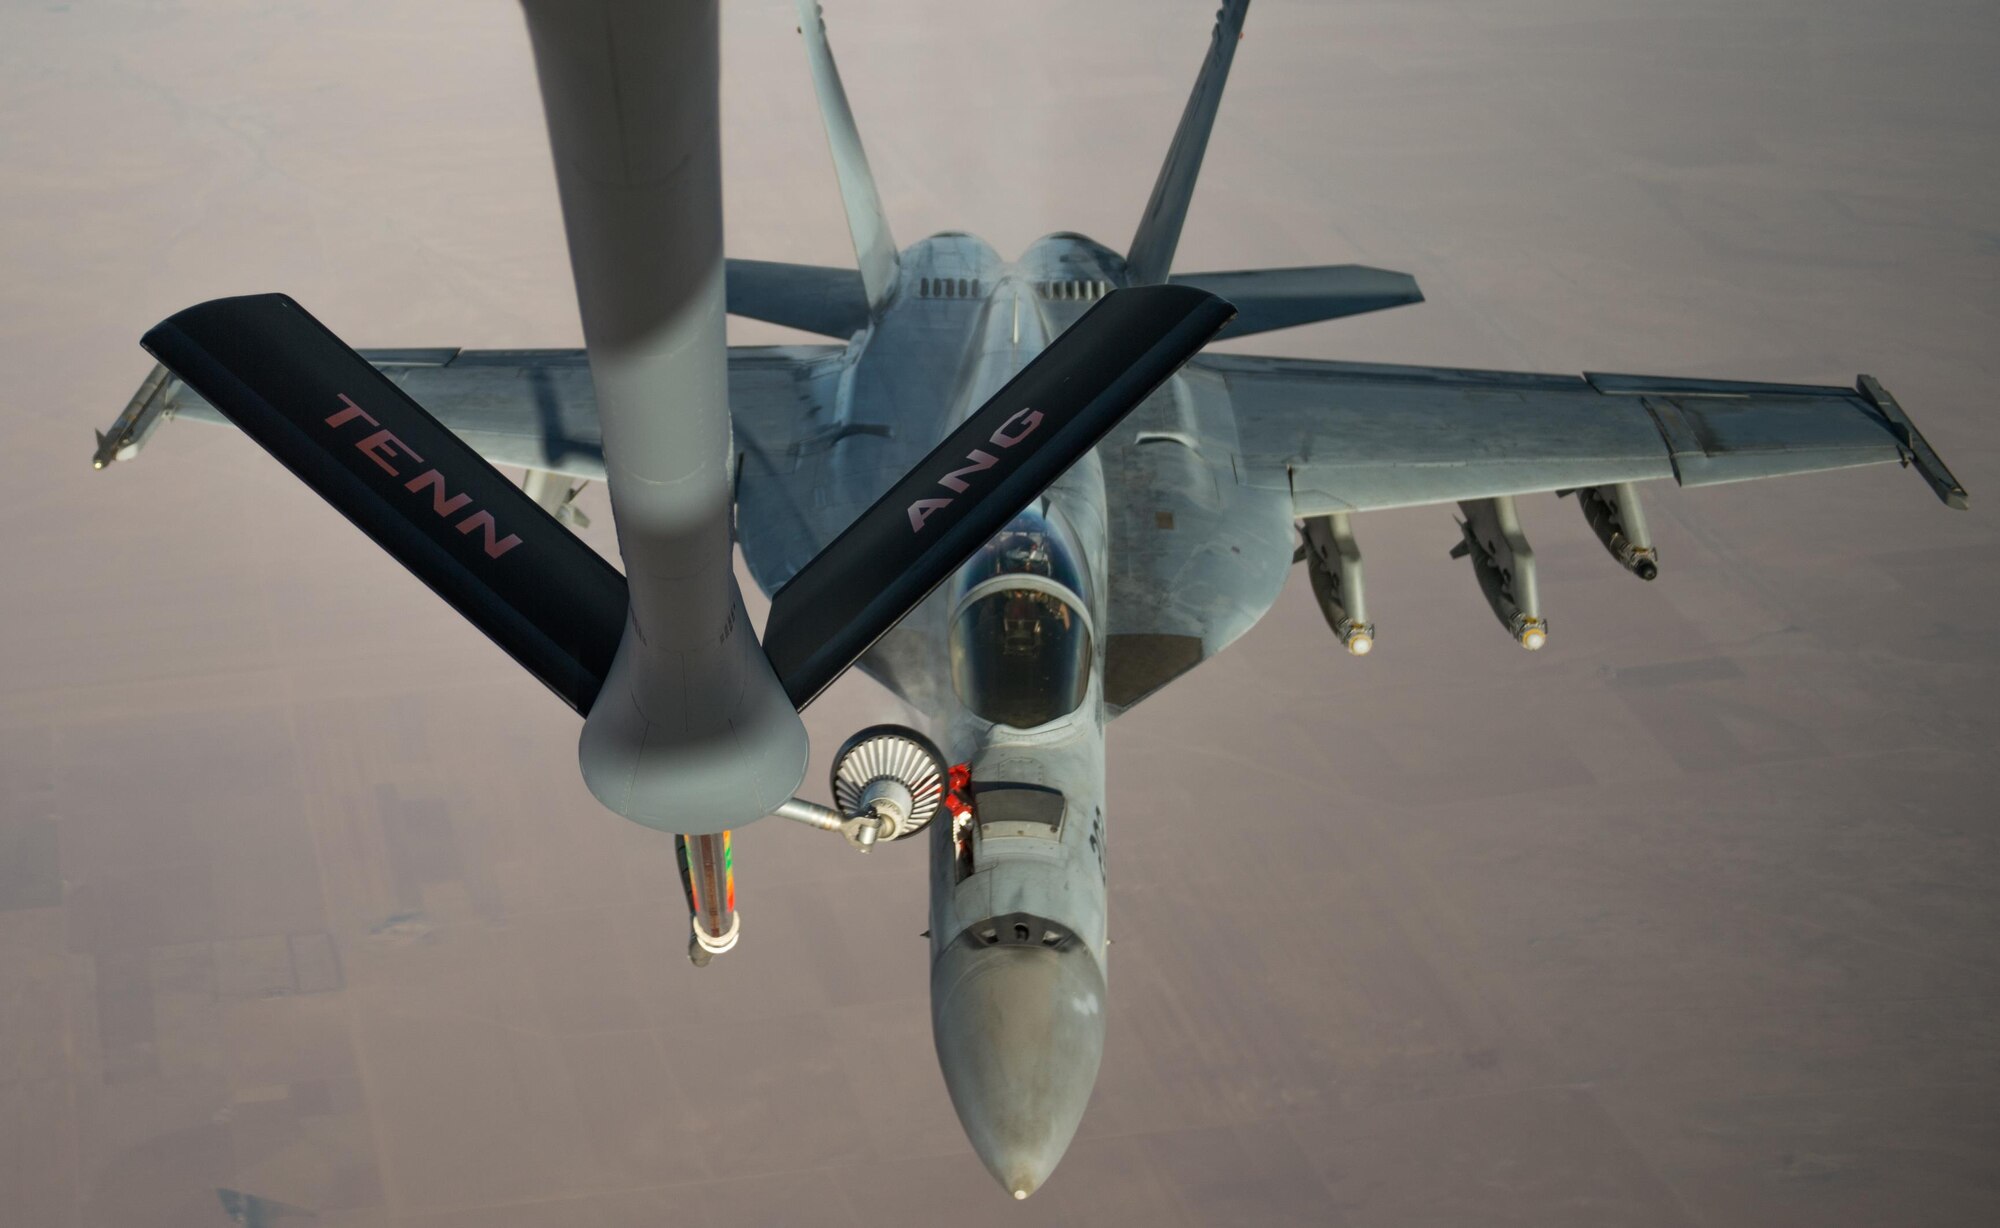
[[1152, 252], [873, 247]]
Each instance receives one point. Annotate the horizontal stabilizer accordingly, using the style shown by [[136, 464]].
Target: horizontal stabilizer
[[1268, 299], [831, 302], [980, 477], [420, 492]]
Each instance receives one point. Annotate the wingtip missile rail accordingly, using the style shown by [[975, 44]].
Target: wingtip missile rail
[[141, 416], [1917, 450]]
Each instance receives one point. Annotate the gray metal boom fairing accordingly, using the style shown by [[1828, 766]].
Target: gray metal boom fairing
[[693, 732]]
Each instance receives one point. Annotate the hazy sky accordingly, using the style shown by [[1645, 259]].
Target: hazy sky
[[1689, 919]]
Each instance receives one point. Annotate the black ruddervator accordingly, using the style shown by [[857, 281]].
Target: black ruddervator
[[268, 366], [548, 599]]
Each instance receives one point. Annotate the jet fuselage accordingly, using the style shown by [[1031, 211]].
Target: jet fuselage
[[1017, 913]]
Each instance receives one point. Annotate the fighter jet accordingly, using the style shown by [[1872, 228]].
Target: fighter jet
[[998, 490]]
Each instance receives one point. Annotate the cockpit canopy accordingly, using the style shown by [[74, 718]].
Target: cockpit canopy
[[1032, 544], [1021, 656]]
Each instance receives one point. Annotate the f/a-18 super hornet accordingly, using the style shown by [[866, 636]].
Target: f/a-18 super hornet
[[1012, 492]]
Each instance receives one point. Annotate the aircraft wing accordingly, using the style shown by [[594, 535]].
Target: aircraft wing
[[1351, 437], [532, 409], [1206, 485], [528, 408], [537, 410]]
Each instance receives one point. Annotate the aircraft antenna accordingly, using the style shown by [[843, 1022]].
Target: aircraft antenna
[[1152, 251]]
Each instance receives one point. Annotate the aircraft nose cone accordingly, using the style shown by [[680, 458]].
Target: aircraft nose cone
[[1019, 1032]]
